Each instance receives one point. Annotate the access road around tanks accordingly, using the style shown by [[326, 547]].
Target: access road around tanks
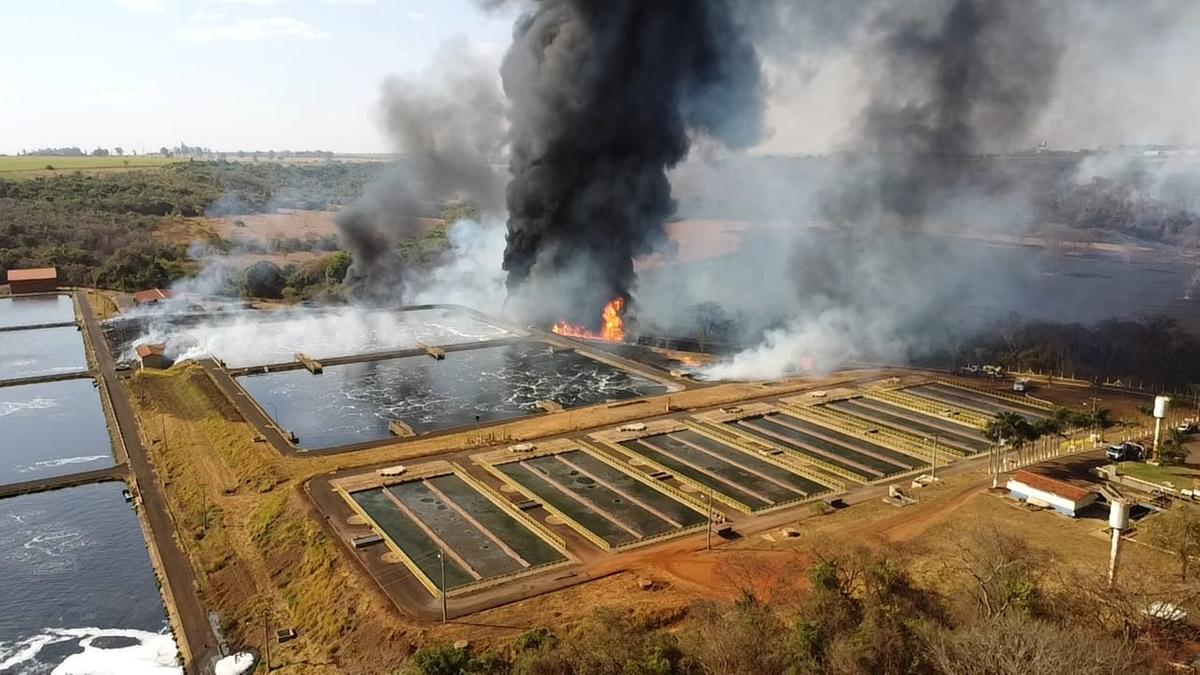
[[188, 616]]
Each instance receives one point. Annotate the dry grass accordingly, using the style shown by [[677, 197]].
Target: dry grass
[[256, 548]]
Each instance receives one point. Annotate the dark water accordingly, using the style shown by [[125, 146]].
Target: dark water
[[353, 403], [78, 590], [52, 429], [36, 310], [46, 351]]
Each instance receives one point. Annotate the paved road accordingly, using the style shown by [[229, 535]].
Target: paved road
[[197, 632]]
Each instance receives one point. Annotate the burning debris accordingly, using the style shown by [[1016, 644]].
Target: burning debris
[[605, 97]]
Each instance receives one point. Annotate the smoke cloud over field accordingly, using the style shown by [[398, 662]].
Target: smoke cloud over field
[[947, 81], [449, 127], [605, 97]]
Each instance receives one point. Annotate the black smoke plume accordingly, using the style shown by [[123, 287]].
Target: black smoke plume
[[605, 97], [448, 127], [948, 81]]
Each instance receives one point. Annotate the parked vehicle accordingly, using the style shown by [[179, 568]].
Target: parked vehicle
[[1022, 385], [1187, 427], [1126, 452]]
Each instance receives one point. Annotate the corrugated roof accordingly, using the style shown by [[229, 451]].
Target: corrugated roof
[[147, 349], [151, 295], [33, 274], [1054, 486]]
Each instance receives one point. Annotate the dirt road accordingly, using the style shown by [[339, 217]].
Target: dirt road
[[197, 640]]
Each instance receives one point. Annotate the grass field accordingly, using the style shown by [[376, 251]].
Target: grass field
[[1181, 477], [35, 165]]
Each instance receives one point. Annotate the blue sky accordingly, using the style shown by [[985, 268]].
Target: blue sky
[[228, 74]]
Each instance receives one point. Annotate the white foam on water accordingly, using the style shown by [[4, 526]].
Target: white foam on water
[[15, 407], [152, 654], [64, 461], [234, 664]]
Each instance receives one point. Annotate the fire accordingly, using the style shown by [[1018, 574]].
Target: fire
[[614, 327]]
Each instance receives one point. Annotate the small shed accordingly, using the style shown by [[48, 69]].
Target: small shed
[[1042, 490], [153, 356], [34, 280], [152, 296]]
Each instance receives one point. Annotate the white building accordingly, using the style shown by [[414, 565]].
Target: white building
[[1042, 490]]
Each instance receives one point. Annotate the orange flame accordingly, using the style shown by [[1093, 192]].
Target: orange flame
[[614, 327]]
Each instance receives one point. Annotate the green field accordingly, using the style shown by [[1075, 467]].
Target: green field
[[33, 165], [1181, 477]]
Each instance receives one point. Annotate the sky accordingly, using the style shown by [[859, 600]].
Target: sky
[[226, 74]]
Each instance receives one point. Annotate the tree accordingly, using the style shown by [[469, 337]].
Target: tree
[[264, 279], [140, 265], [119, 150], [1171, 450], [1001, 571], [100, 152], [339, 264], [1020, 645], [164, 151], [1177, 530]]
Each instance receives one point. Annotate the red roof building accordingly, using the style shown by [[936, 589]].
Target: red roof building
[[153, 356], [152, 296], [34, 280], [1042, 490]]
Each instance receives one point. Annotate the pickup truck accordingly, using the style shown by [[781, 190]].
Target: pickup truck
[[1126, 452]]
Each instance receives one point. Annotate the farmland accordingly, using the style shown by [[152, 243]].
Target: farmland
[[29, 166]]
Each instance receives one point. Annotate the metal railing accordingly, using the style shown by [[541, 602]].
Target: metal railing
[[701, 487], [1005, 395], [968, 418], [653, 483], [740, 439], [718, 432], [876, 432], [550, 508], [508, 507]]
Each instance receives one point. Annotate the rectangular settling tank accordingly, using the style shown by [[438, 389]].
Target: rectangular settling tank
[[41, 352], [353, 403], [52, 429], [36, 310], [749, 480], [444, 513], [607, 502]]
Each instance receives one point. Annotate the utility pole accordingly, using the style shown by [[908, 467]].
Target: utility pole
[[933, 467], [267, 637], [708, 545], [442, 560]]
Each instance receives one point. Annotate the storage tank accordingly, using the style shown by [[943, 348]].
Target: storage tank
[[1160, 406], [1118, 515]]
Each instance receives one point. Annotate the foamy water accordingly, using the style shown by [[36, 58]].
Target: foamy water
[[64, 461], [14, 407], [100, 651]]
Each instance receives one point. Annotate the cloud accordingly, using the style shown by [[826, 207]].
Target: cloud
[[155, 6], [251, 2], [252, 30]]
